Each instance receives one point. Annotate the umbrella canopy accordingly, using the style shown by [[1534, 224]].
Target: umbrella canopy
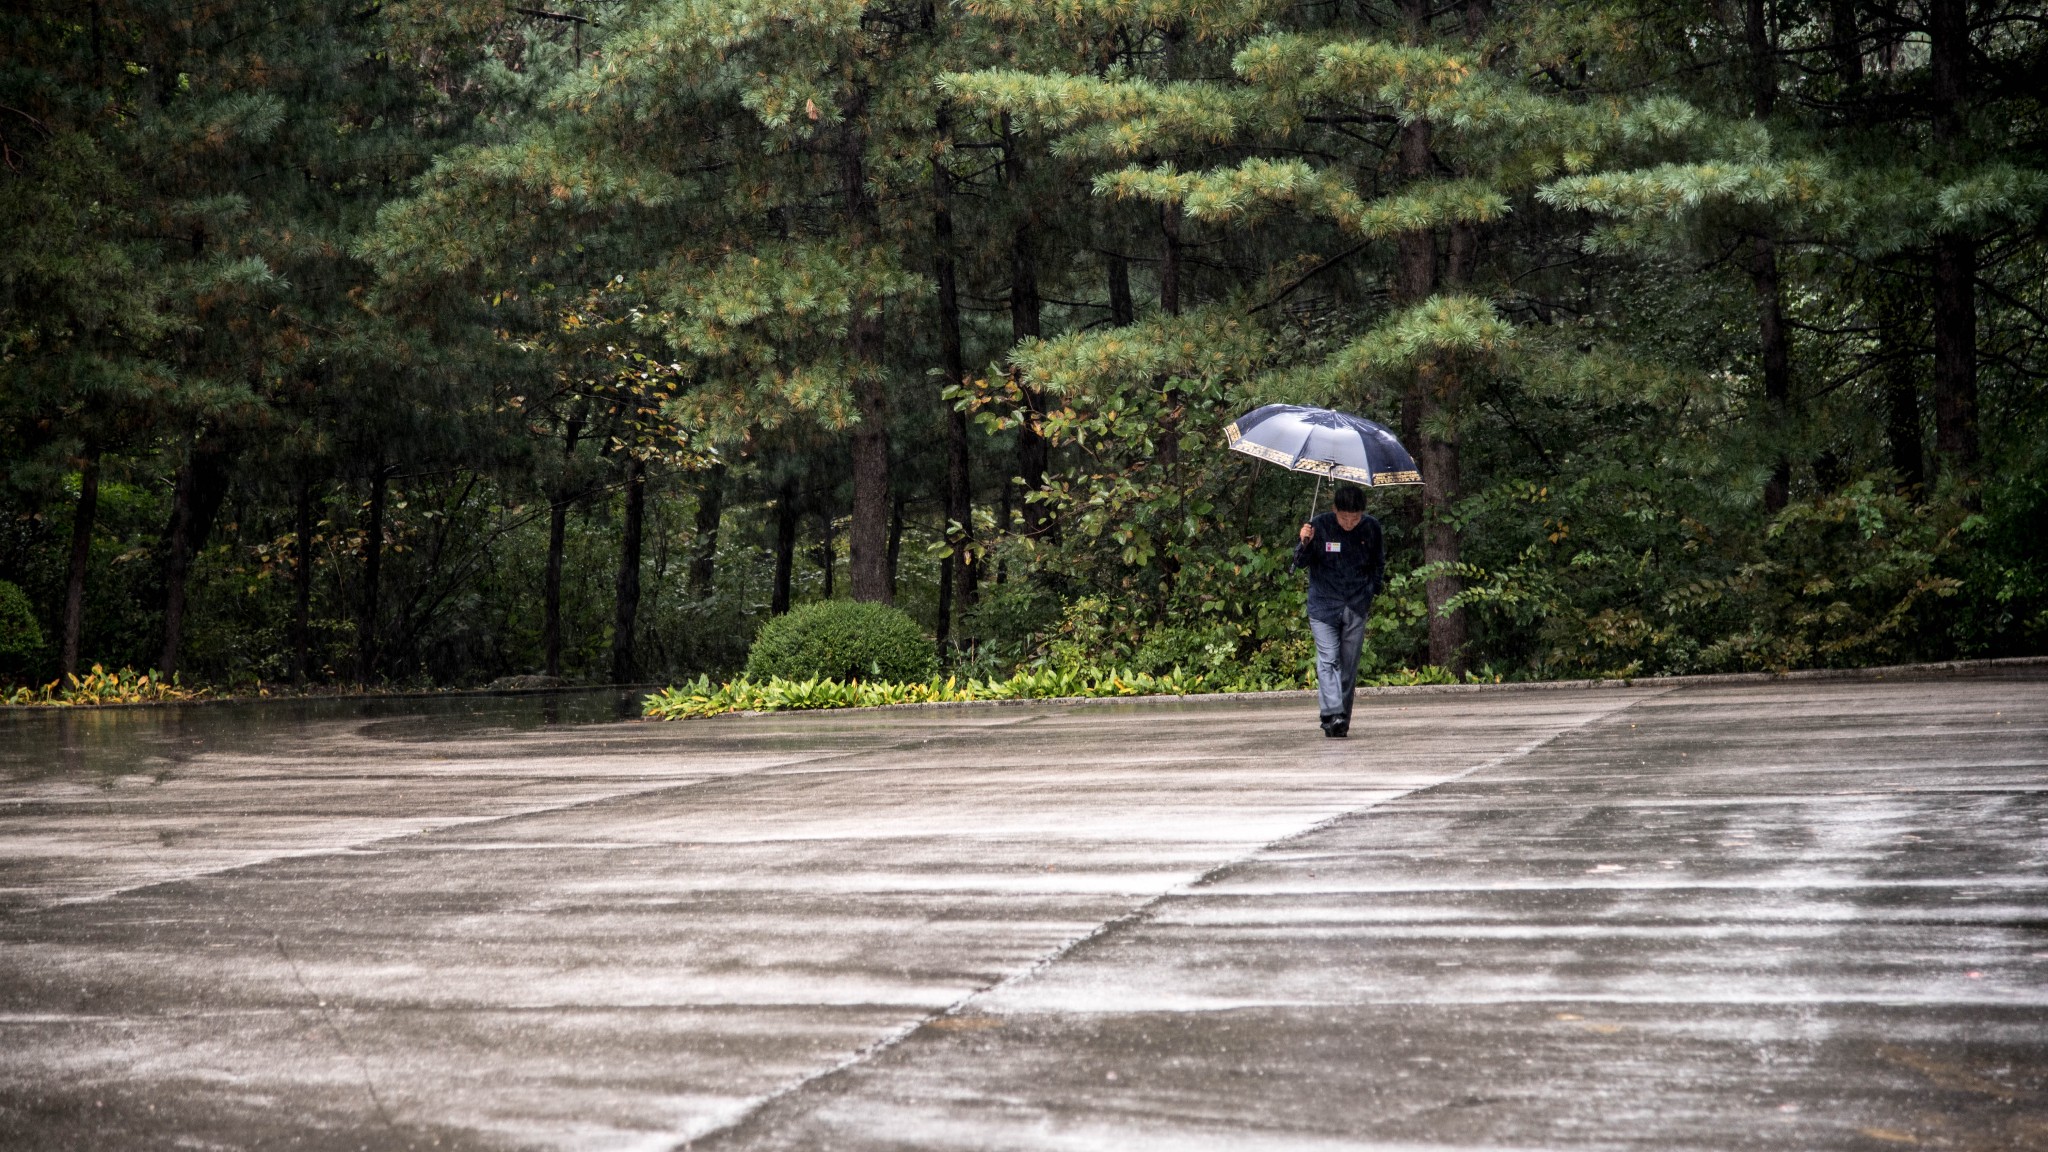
[[1327, 443]]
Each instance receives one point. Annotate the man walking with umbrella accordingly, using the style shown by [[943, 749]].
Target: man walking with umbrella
[[1345, 554]]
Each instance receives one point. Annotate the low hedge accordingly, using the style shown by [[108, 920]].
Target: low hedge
[[704, 698], [843, 640]]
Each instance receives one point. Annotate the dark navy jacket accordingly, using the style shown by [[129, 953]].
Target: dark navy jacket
[[1345, 569]]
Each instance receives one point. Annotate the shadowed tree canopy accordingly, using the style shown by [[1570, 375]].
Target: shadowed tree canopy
[[447, 340]]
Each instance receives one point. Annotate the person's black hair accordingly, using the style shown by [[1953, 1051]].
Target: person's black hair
[[1349, 499]]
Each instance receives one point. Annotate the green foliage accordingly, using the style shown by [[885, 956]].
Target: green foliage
[[842, 640], [703, 698], [477, 257], [21, 637], [1005, 628], [1627, 580], [2002, 607], [99, 686]]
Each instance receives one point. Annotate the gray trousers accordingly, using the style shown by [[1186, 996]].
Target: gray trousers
[[1337, 663]]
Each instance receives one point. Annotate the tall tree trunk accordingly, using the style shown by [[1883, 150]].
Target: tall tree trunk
[[960, 510], [1955, 253], [1847, 42], [1775, 353], [828, 558], [1900, 350], [1414, 282], [1415, 252], [1122, 310], [1005, 512], [1432, 397], [1437, 401], [1478, 14], [1169, 259], [195, 500], [373, 560], [956, 571], [551, 587], [869, 539], [1034, 455], [302, 581], [82, 518], [704, 544], [785, 550], [1763, 63], [1902, 428], [1440, 384], [1168, 456], [895, 540], [99, 70], [959, 578], [558, 537], [944, 631], [1955, 353], [178, 549], [1774, 342], [626, 598]]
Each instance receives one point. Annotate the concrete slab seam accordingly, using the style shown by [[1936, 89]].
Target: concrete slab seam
[[1526, 750], [1134, 915], [340, 1040]]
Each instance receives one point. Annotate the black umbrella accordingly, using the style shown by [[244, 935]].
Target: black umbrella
[[1325, 442]]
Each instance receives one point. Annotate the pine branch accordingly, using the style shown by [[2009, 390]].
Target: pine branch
[[565, 17], [40, 126], [1305, 277], [2010, 300]]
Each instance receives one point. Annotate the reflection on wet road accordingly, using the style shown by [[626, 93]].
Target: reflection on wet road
[[1782, 916]]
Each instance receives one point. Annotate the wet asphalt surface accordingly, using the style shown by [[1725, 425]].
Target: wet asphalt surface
[[1802, 915]]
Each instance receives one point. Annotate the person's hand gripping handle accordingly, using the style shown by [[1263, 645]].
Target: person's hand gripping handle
[[1308, 533]]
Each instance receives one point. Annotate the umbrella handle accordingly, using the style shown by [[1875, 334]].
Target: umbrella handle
[[1315, 499]]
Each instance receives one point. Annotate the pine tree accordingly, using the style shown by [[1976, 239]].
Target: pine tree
[[1463, 140]]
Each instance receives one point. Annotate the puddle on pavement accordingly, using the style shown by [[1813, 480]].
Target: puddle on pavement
[[44, 742]]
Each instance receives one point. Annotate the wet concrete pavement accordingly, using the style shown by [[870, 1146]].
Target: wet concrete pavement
[[1790, 916]]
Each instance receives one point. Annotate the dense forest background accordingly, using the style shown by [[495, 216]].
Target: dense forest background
[[432, 341]]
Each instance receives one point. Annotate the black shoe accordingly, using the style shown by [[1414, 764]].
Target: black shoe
[[1343, 727], [1336, 731], [1329, 726]]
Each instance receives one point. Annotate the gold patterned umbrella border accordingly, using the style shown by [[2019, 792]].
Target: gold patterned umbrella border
[[1318, 467]]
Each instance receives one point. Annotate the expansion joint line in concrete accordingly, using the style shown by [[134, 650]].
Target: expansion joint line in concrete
[[1131, 917], [1526, 750], [334, 1030]]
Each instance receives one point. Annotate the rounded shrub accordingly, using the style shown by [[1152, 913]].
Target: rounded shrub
[[843, 640], [21, 638]]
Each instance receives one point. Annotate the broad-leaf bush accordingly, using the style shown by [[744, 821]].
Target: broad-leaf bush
[[99, 686]]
